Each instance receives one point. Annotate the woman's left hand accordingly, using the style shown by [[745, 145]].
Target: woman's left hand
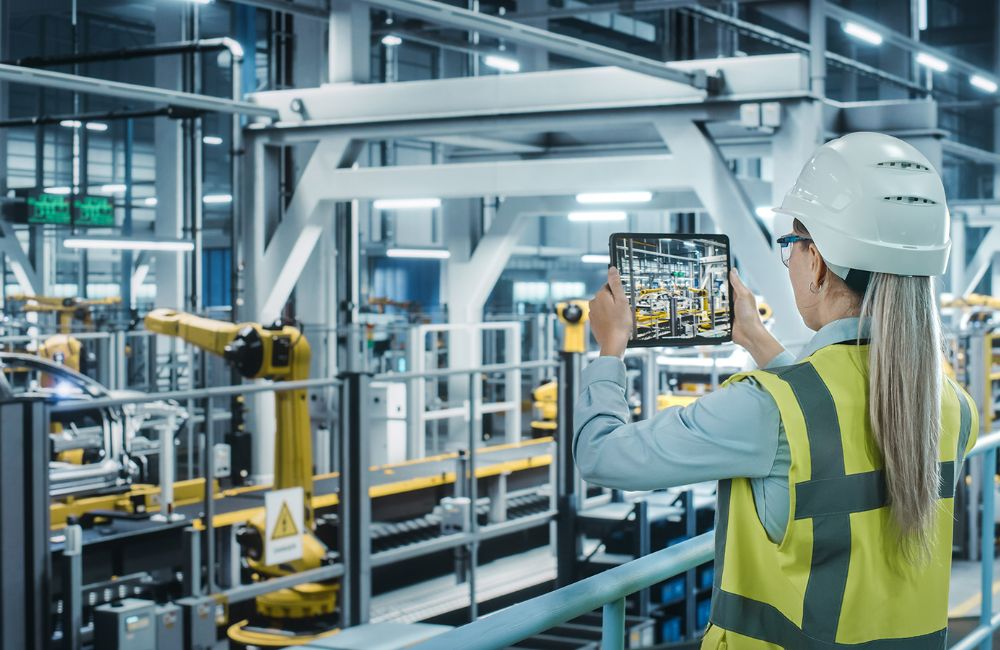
[[611, 316]]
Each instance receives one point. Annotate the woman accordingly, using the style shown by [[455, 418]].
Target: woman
[[837, 470]]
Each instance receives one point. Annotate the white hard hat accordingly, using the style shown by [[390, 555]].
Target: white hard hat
[[874, 203]]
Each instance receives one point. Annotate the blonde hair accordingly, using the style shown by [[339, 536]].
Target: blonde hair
[[904, 398], [904, 383]]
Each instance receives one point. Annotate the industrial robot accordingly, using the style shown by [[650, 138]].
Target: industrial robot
[[280, 353], [574, 315], [63, 348]]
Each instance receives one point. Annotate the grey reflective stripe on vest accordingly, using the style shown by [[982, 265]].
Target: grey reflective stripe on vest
[[856, 492], [759, 620], [827, 499], [831, 553]]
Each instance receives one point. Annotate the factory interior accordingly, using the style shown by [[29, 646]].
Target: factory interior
[[295, 302]]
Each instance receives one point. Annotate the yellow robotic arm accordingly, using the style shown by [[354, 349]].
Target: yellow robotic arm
[[574, 314], [260, 352]]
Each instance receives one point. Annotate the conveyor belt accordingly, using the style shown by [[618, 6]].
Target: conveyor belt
[[234, 506]]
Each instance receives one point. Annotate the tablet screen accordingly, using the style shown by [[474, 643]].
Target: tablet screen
[[678, 286]]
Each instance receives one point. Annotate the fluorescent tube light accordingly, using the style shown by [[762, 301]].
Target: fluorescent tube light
[[607, 215], [151, 202], [863, 33], [931, 62], [108, 243], [71, 124], [502, 63], [614, 197], [96, 126], [419, 253], [982, 83], [391, 40], [212, 139], [217, 198], [113, 188], [406, 204], [595, 259], [58, 190]]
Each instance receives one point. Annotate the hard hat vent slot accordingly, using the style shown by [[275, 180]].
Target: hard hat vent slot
[[909, 200], [904, 164]]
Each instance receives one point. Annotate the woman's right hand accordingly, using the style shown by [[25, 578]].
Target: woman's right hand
[[748, 329]]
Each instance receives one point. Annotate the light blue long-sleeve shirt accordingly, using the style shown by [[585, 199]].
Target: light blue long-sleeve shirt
[[732, 432]]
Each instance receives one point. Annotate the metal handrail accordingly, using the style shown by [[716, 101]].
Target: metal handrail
[[982, 635], [610, 588], [607, 589], [277, 387]]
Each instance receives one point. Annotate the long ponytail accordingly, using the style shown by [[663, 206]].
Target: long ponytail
[[904, 361]]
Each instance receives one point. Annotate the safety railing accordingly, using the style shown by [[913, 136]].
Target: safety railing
[[609, 589], [982, 635], [355, 387]]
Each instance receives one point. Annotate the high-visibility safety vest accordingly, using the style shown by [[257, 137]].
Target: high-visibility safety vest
[[837, 579]]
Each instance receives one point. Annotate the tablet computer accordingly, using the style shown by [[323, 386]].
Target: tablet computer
[[678, 287]]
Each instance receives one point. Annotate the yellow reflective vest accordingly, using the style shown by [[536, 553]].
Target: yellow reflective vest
[[837, 579]]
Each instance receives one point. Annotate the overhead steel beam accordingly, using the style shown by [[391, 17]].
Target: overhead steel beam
[[306, 11], [975, 154], [890, 35], [443, 14], [981, 261], [634, 7], [135, 92], [781, 40], [379, 111], [24, 273]]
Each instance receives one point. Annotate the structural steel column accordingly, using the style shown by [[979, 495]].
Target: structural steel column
[[25, 564], [355, 504]]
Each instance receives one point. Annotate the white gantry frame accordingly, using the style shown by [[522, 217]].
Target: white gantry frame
[[340, 116], [687, 168]]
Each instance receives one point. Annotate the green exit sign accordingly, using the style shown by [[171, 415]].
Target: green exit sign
[[49, 209], [94, 211]]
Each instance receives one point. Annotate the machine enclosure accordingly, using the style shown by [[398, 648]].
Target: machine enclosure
[[128, 624], [169, 627]]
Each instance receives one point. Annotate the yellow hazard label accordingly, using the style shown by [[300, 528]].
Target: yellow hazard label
[[285, 526]]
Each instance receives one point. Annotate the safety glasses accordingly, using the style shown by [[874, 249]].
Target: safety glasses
[[786, 246]]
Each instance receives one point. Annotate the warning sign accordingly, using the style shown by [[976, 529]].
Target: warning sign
[[286, 524], [285, 512]]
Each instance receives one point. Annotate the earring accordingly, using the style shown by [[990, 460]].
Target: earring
[[813, 288]]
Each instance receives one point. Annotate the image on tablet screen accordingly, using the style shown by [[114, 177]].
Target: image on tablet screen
[[678, 287]]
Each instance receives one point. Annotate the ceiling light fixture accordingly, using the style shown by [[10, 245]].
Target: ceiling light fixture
[[614, 197], [212, 140], [607, 215], [217, 198], [109, 243], [863, 33], [391, 40], [419, 253], [113, 188], [58, 190], [71, 124], [931, 62], [503, 63], [982, 83], [595, 259], [406, 204], [151, 201], [97, 126]]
